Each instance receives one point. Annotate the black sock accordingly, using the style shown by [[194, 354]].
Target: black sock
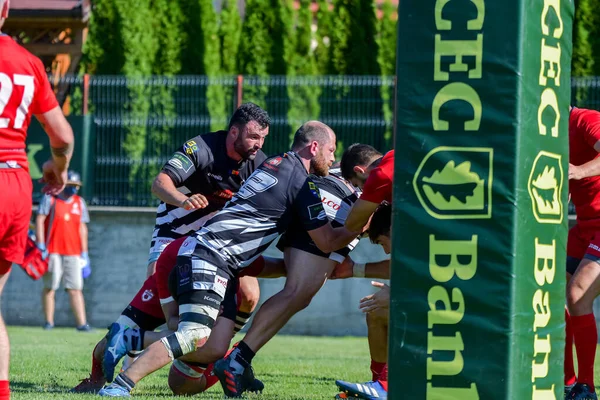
[[244, 355], [241, 319]]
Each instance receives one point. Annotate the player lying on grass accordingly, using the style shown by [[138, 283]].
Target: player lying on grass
[[152, 307], [376, 307], [278, 193]]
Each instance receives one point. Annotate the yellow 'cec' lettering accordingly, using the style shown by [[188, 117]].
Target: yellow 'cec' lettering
[[544, 266], [456, 91], [452, 259]]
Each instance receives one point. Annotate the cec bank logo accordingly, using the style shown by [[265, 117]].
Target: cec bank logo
[[456, 182], [545, 186]]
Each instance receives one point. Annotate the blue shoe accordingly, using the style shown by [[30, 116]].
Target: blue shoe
[[114, 390], [115, 350], [368, 390], [234, 382], [84, 328], [582, 391]]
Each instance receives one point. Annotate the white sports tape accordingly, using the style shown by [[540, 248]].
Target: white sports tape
[[358, 270]]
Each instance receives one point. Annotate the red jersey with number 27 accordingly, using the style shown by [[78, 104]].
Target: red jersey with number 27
[[24, 90], [378, 186], [584, 133]]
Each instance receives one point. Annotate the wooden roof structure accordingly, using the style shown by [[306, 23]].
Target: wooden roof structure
[[53, 30], [50, 29]]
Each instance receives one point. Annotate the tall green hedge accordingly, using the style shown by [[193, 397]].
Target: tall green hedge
[[354, 49], [265, 48], [230, 29], [386, 57], [586, 38], [324, 20], [304, 96]]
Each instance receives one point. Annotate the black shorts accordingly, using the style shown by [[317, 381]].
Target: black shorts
[[192, 288], [572, 264], [300, 239], [144, 320]]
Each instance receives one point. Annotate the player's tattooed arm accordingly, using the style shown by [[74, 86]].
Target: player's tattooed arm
[[62, 152]]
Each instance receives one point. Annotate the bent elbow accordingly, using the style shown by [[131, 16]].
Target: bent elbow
[[155, 187]]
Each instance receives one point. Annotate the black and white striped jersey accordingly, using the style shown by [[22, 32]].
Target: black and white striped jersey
[[337, 196], [277, 193], [202, 166]]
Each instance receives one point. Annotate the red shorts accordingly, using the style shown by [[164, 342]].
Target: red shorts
[[580, 237], [146, 300], [145, 309], [15, 212], [164, 265], [593, 250]]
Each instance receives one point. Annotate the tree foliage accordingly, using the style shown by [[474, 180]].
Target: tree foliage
[[324, 29], [586, 38], [302, 92], [230, 29], [386, 57], [265, 48], [353, 45]]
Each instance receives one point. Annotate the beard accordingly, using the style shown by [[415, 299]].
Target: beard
[[319, 166], [246, 154]]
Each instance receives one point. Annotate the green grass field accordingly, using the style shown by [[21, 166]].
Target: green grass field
[[45, 365]]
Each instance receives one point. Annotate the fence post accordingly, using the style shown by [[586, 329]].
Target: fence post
[[240, 90], [86, 92]]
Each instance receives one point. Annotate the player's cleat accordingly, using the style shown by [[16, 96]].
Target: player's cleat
[[114, 390], [89, 385], [256, 386], [341, 396], [115, 350], [568, 388], [582, 391], [368, 390], [233, 382]]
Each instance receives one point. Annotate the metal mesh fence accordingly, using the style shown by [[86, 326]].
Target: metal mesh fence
[[139, 122]]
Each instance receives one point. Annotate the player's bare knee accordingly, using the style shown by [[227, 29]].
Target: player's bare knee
[[299, 300], [250, 294], [579, 301], [300, 295]]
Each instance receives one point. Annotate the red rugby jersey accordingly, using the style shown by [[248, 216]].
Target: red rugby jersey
[[24, 90], [378, 186], [584, 133]]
